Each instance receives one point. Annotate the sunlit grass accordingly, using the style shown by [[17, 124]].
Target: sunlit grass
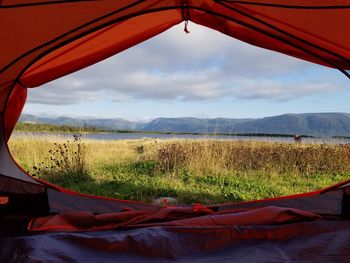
[[205, 171]]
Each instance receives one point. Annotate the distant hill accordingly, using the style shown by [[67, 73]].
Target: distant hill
[[313, 124], [195, 125], [108, 124]]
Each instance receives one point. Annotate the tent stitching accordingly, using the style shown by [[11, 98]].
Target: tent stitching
[[287, 6], [291, 36], [72, 31], [44, 3]]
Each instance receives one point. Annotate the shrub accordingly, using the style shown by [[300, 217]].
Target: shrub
[[66, 164]]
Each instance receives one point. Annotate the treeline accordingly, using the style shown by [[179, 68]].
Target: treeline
[[43, 127]]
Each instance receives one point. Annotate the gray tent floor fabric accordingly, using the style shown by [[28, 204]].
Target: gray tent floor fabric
[[326, 241]]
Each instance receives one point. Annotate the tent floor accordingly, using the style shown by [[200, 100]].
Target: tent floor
[[316, 241]]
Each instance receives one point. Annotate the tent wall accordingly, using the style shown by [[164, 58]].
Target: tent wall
[[8, 166]]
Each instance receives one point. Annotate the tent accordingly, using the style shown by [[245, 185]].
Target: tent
[[42, 40]]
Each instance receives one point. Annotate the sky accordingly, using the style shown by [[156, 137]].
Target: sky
[[203, 74]]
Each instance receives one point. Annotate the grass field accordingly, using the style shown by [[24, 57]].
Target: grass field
[[205, 171]]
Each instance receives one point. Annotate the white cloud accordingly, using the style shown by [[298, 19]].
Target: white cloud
[[68, 90], [194, 67], [197, 85], [277, 91]]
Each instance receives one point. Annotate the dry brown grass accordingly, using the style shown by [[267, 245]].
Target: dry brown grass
[[30, 151], [206, 171], [198, 155], [220, 156]]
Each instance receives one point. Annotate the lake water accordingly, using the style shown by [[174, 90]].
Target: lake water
[[138, 136]]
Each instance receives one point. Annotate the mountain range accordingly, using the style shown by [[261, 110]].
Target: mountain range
[[312, 124]]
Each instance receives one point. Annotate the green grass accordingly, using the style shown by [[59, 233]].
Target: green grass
[[203, 171], [139, 181]]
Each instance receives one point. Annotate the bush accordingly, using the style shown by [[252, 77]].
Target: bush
[[66, 164]]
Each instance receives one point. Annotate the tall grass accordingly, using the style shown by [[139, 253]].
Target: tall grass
[[206, 171], [221, 156]]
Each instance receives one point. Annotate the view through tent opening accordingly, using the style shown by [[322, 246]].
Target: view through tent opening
[[190, 97]]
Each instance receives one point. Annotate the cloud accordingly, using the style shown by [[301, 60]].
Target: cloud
[[200, 66], [277, 91], [68, 90], [192, 85]]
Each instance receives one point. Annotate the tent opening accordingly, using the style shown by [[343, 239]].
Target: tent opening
[[192, 156]]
